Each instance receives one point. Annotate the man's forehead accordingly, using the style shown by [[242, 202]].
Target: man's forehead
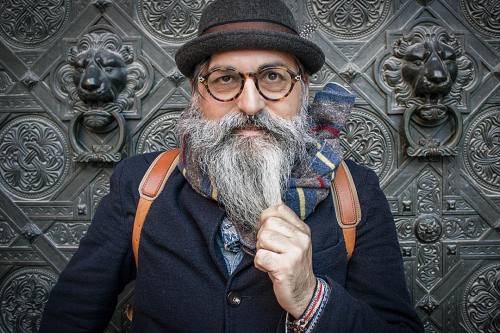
[[251, 60]]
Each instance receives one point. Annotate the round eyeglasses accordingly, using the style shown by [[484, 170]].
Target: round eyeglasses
[[272, 83]]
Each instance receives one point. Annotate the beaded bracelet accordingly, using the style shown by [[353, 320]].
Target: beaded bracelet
[[299, 325]]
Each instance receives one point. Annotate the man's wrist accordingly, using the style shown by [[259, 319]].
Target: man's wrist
[[301, 307], [301, 322]]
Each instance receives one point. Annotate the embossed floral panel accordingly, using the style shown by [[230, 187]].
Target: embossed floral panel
[[31, 23], [33, 157], [349, 19]]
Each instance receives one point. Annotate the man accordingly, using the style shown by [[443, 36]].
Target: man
[[243, 238]]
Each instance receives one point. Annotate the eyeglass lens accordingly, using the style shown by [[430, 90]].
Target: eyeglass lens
[[272, 83]]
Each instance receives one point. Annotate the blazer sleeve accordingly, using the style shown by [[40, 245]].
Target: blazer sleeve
[[85, 296], [375, 297]]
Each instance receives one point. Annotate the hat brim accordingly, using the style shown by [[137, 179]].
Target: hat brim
[[195, 51]]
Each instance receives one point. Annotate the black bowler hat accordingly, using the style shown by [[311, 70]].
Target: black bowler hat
[[247, 24]]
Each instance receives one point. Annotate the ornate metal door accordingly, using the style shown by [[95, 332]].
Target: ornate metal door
[[427, 120]]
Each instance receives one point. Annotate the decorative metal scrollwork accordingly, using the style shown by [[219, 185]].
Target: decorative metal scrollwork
[[429, 72], [67, 234], [428, 228], [482, 149], [33, 157], [174, 20], [102, 4], [482, 15], [349, 19], [428, 265], [24, 294], [28, 23], [481, 303], [99, 188], [159, 134], [428, 303], [101, 80], [7, 234], [349, 73], [99, 153], [433, 146], [367, 140], [30, 79], [6, 82]]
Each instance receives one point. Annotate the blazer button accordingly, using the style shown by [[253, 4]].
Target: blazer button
[[234, 298]]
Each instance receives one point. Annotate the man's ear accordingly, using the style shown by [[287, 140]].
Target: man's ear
[[305, 78], [196, 89]]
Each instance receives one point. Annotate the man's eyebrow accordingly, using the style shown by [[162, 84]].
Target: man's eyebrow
[[261, 67], [273, 64], [217, 67]]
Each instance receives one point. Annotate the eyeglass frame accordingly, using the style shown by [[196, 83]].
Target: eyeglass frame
[[203, 79]]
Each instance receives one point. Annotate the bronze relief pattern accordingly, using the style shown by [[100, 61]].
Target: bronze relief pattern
[[481, 304], [24, 294], [446, 209], [27, 23], [98, 189], [428, 228], [6, 82], [482, 15], [171, 20], [67, 235], [159, 135], [33, 157], [349, 19], [367, 140], [429, 72], [7, 234], [101, 80], [482, 149]]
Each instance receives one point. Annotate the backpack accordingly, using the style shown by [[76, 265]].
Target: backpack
[[344, 195]]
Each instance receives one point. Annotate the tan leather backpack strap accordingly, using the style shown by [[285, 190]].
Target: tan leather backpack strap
[[347, 208], [151, 186]]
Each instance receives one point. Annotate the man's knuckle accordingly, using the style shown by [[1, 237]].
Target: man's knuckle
[[266, 236], [265, 258], [259, 257], [264, 222], [272, 222], [305, 239], [282, 208]]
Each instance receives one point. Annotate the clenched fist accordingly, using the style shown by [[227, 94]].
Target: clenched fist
[[284, 251]]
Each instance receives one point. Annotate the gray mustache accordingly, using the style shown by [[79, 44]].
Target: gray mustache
[[274, 126]]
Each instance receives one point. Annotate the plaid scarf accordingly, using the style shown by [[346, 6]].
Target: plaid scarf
[[328, 114]]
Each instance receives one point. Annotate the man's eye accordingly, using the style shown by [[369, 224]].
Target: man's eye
[[225, 79], [273, 76]]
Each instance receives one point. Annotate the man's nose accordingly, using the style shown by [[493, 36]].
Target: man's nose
[[435, 70], [250, 101]]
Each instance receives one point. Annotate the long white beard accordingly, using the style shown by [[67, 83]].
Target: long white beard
[[250, 173]]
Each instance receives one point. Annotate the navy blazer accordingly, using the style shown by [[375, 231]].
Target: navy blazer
[[182, 282]]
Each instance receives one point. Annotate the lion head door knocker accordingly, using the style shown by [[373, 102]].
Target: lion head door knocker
[[103, 79], [429, 71]]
